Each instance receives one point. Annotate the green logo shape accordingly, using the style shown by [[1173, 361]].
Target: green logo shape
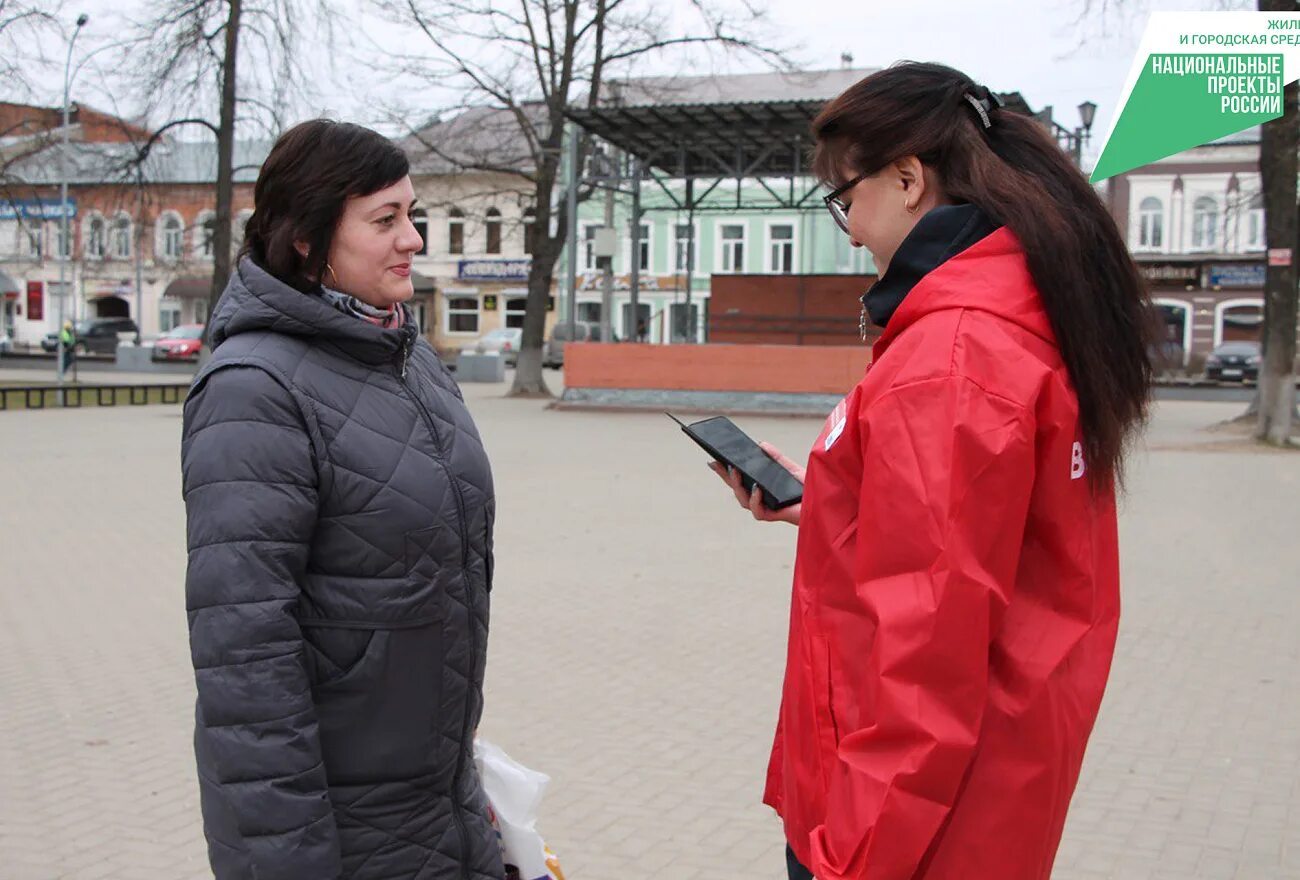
[[1182, 101]]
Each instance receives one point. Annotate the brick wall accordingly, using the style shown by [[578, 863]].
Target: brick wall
[[789, 369]]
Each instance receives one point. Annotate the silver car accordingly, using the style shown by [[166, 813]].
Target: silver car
[[504, 341], [584, 331]]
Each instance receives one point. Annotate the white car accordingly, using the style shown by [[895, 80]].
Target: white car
[[504, 341]]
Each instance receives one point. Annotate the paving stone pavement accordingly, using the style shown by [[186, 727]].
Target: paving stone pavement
[[636, 654]]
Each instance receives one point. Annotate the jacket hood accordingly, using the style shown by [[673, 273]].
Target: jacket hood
[[255, 300], [991, 276]]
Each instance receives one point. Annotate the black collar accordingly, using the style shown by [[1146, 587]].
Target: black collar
[[939, 236]]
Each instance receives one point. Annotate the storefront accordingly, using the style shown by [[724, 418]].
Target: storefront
[[1204, 303], [485, 294]]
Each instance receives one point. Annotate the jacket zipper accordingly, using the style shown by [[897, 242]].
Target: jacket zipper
[[473, 638]]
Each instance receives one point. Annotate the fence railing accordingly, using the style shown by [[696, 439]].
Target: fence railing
[[48, 396]]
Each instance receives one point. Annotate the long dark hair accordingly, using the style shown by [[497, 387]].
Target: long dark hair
[[1016, 173], [302, 188]]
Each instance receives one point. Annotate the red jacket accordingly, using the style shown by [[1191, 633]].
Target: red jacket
[[956, 596]]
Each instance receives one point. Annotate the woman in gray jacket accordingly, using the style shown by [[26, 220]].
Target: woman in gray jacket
[[340, 512]]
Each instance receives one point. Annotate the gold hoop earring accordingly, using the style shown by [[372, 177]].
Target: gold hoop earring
[[911, 209], [330, 269]]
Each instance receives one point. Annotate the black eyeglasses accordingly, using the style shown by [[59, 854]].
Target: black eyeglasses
[[835, 204]]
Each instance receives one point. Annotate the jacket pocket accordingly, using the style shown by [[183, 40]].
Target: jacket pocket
[[828, 736], [379, 719], [332, 653]]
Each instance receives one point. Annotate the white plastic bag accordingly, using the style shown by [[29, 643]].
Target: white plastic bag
[[515, 794]]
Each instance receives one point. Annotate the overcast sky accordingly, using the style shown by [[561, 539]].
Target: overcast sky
[[1037, 48]]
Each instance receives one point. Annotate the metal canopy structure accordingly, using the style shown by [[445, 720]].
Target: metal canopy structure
[[736, 141], [688, 136]]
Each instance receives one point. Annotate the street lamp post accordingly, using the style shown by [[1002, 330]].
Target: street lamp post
[[65, 243], [1073, 140]]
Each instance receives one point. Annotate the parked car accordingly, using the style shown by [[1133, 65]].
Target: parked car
[[504, 341], [95, 335], [553, 350], [1234, 362], [179, 344]]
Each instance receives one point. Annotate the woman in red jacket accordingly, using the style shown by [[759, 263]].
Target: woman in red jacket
[[956, 587]]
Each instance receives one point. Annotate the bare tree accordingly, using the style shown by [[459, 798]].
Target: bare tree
[[533, 59], [220, 65], [22, 24]]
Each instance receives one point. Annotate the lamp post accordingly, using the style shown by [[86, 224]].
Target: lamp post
[[65, 243], [1073, 140]]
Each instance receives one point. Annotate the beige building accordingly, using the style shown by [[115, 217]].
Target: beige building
[[472, 276]]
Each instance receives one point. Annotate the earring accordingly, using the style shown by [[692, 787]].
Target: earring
[[911, 209], [330, 269]]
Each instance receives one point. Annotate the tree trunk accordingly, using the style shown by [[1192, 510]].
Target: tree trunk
[[529, 379], [222, 235], [1279, 140]]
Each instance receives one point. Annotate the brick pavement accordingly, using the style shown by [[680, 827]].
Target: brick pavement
[[636, 655]]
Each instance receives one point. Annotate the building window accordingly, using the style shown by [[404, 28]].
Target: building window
[[589, 231], [685, 256], [493, 227], [420, 220], [1151, 219], [462, 314], [94, 245], [780, 248], [33, 239], [121, 237], [530, 231], [455, 231], [1255, 239], [169, 315], [732, 236], [62, 246], [1205, 223], [516, 308], [205, 235], [171, 237], [643, 248]]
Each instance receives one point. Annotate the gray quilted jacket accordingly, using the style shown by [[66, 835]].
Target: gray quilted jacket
[[340, 513]]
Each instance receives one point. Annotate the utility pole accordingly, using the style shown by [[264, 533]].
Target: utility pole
[[65, 243]]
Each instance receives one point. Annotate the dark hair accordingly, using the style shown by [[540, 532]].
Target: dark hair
[[1015, 172], [304, 184]]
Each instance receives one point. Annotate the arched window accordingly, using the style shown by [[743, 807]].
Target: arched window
[[121, 243], [1255, 224], [530, 230], [420, 219], [205, 234], [171, 236], [493, 231], [1151, 219], [1205, 223], [62, 247], [94, 237], [456, 231]]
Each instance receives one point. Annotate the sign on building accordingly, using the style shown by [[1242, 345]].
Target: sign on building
[[493, 270], [1181, 274], [35, 209], [1237, 275]]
